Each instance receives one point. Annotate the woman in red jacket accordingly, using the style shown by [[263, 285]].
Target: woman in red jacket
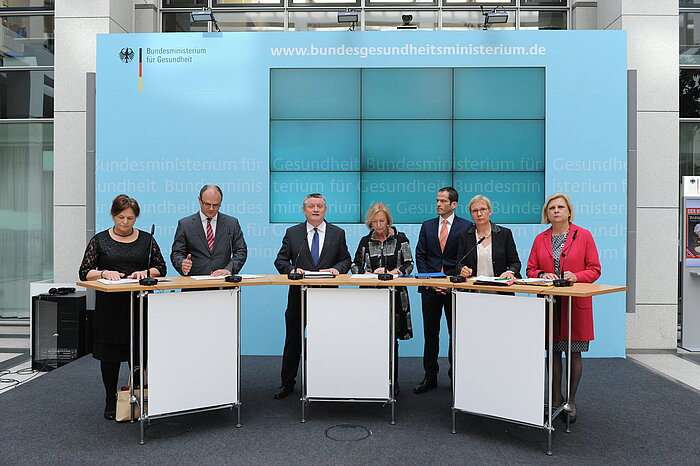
[[570, 249]]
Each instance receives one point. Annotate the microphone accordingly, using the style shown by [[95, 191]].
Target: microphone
[[561, 281], [149, 281], [294, 275], [458, 278], [231, 278], [384, 276]]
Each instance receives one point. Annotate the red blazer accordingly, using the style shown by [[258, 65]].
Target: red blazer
[[582, 260]]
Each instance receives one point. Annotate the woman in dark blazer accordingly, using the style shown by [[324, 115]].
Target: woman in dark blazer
[[486, 248]]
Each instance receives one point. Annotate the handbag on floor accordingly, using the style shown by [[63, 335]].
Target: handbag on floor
[[124, 406]]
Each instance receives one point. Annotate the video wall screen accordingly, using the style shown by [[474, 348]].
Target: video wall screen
[[397, 135]]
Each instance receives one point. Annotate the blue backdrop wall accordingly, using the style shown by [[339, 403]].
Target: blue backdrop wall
[[363, 117]]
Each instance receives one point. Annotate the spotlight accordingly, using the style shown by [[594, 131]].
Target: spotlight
[[407, 22], [348, 16], [493, 17], [205, 15]]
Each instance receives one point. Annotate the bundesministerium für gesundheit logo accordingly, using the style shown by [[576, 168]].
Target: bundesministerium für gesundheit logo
[[126, 55]]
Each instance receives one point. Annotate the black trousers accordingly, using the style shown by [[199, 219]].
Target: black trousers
[[292, 340], [433, 305]]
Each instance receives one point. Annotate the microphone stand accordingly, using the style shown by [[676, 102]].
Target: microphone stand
[[294, 275], [459, 278], [561, 282], [149, 281], [233, 278], [384, 276]]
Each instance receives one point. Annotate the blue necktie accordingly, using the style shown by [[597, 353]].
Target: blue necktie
[[314, 247]]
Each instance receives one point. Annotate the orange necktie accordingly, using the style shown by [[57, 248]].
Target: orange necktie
[[443, 235]]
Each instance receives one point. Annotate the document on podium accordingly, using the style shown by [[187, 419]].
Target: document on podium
[[495, 281], [122, 281], [318, 275]]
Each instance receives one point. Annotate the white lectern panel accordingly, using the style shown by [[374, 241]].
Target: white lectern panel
[[347, 343], [192, 350], [499, 356]]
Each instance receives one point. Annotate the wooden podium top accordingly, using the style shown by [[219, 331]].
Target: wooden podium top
[[174, 283]]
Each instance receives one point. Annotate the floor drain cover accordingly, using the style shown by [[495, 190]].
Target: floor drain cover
[[167, 429], [348, 433]]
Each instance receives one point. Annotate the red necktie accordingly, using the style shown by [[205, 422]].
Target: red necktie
[[210, 236]]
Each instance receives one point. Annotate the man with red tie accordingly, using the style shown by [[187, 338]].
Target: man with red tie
[[209, 242], [436, 251]]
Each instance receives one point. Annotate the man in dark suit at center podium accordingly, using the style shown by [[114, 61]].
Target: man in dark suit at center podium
[[314, 245], [436, 251]]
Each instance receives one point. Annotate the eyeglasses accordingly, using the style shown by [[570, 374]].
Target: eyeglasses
[[210, 206]]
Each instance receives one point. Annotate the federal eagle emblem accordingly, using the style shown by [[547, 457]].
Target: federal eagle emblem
[[126, 55]]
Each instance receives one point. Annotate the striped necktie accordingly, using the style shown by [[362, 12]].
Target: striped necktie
[[210, 236]]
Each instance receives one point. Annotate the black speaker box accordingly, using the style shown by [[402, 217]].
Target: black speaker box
[[61, 329]]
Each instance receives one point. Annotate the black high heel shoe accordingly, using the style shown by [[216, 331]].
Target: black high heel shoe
[[110, 408]]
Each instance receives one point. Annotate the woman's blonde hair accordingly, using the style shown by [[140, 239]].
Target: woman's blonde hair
[[480, 198], [373, 210], [545, 218]]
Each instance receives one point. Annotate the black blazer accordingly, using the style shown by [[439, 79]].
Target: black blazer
[[503, 251], [295, 252]]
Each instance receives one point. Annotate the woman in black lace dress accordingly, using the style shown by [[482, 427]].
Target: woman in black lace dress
[[119, 252], [386, 250]]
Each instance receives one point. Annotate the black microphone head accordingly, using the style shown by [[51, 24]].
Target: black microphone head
[[153, 229]]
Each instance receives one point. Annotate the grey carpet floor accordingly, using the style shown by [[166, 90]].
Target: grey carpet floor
[[627, 415]]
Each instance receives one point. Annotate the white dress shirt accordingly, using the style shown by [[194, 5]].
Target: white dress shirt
[[450, 220], [204, 223]]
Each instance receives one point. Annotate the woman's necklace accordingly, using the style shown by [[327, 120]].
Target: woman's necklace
[[123, 236], [482, 238]]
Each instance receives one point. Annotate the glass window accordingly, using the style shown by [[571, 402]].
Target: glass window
[[380, 2], [26, 212], [389, 20], [472, 20], [180, 22], [251, 21], [482, 2], [689, 38], [26, 94], [543, 2], [26, 4], [248, 2], [26, 40], [326, 2], [689, 89], [684, 3], [542, 20], [690, 148], [315, 21], [184, 3]]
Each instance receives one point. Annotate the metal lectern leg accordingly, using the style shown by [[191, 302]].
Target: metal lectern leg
[[303, 354], [142, 419], [454, 359], [568, 369], [392, 349], [238, 355], [550, 378], [132, 398]]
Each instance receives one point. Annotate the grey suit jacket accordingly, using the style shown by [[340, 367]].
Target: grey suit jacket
[[230, 250]]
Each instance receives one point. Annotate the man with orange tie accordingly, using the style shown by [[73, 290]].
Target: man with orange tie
[[436, 251], [209, 242]]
